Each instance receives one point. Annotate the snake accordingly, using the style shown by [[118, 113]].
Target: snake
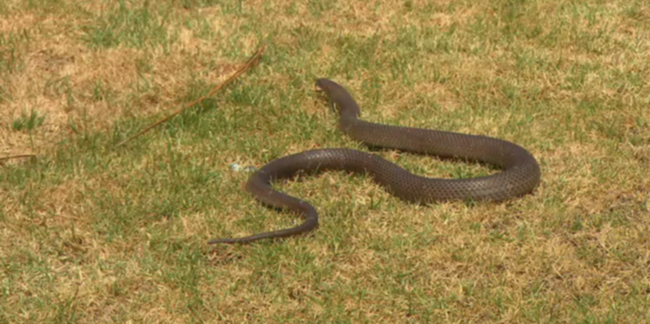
[[520, 172]]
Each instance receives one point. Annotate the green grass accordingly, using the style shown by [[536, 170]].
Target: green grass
[[28, 122], [138, 26], [11, 44], [90, 233]]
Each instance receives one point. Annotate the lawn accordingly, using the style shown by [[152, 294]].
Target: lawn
[[94, 233]]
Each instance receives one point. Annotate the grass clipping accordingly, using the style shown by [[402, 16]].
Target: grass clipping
[[247, 66], [19, 156]]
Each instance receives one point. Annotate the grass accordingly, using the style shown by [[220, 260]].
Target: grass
[[28, 122], [90, 233]]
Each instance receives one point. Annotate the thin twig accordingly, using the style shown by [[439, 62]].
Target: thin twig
[[18, 156], [249, 64]]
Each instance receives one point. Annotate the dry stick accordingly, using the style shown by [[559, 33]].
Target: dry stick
[[26, 155], [251, 61]]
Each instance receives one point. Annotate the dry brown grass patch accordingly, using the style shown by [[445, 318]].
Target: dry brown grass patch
[[68, 81]]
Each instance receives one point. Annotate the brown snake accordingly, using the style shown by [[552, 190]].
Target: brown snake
[[520, 175]]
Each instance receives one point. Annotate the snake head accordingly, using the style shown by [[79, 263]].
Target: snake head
[[339, 97], [327, 85]]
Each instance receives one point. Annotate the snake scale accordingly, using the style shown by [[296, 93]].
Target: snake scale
[[520, 174]]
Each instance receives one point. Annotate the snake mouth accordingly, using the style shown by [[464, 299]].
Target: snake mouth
[[323, 84], [331, 88], [324, 89]]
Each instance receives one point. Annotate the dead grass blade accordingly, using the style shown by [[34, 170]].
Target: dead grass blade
[[247, 66], [18, 156]]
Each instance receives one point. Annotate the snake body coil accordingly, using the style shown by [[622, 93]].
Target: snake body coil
[[520, 175]]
